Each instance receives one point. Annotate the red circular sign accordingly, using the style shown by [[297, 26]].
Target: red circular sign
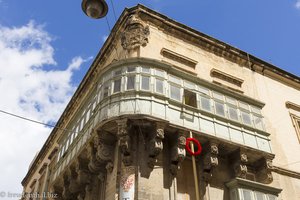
[[187, 146]]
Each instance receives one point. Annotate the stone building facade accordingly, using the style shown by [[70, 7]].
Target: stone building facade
[[154, 82]]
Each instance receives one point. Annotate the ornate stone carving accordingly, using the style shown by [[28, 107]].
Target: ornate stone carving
[[177, 153], [239, 160], [124, 142], [135, 33], [210, 159], [155, 144], [264, 171], [100, 155]]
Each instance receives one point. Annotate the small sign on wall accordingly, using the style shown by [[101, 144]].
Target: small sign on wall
[[127, 183]]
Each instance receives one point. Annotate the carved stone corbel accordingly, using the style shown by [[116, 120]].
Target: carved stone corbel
[[155, 144], [135, 34], [177, 153], [101, 156], [264, 170], [240, 160], [124, 142], [67, 194], [210, 159]]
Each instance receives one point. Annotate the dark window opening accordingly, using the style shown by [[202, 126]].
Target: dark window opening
[[190, 98]]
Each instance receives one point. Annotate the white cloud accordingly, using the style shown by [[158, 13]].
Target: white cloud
[[297, 5], [27, 89]]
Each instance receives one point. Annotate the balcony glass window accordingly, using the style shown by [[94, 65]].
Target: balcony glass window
[[117, 85], [159, 73], [130, 82], [175, 92], [118, 72], [131, 69], [145, 83], [246, 118], [205, 103], [218, 96], [244, 105], [159, 86], [203, 90], [233, 113], [220, 109], [105, 91], [258, 122], [146, 70], [190, 98], [175, 79]]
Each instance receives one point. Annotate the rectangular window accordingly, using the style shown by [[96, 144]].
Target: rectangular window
[[246, 118], [203, 90], [259, 196], [105, 91], [190, 98], [175, 92], [174, 79], [220, 110], [117, 85], [218, 96], [205, 103], [247, 194], [159, 86], [244, 105], [146, 70], [145, 83], [131, 69], [118, 72], [258, 122], [233, 113], [130, 82], [159, 73]]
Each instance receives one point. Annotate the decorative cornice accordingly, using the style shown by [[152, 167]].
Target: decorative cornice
[[292, 105], [226, 77], [178, 58]]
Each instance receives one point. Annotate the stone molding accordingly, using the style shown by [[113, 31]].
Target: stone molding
[[210, 159]]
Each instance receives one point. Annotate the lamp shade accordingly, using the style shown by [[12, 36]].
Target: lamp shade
[[94, 8]]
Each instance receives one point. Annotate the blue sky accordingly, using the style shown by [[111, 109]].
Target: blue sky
[[47, 46]]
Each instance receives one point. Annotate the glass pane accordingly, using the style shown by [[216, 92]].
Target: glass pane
[[118, 72], [159, 73], [246, 118], [146, 70], [130, 82], [220, 108], [189, 85], [231, 100], [203, 90], [259, 196], [159, 86], [271, 197], [256, 110], [246, 194], [117, 85], [131, 69], [175, 92], [105, 91], [244, 105], [258, 122], [218, 96], [145, 82], [175, 80], [233, 114], [205, 103]]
